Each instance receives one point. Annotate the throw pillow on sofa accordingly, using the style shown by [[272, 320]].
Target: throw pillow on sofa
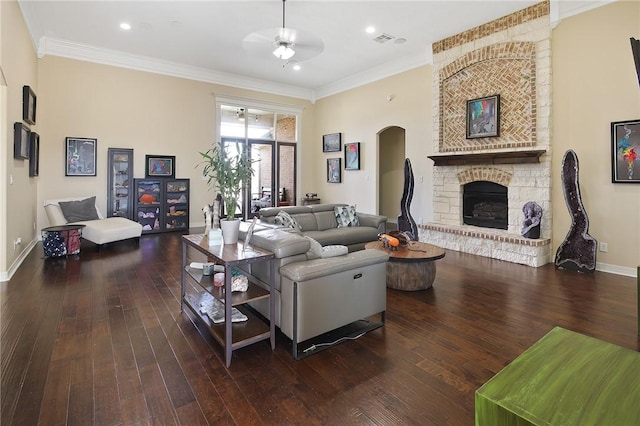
[[284, 219], [316, 251], [76, 211], [346, 216]]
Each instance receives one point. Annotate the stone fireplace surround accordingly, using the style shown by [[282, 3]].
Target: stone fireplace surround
[[511, 57]]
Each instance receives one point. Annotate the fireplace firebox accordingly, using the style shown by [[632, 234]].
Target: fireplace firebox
[[485, 204]]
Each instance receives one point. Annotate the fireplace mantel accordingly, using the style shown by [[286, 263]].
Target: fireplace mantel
[[510, 157]]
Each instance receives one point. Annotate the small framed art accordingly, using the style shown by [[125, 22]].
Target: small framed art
[[625, 151], [483, 117], [334, 170], [21, 136], [34, 154], [160, 166], [352, 156], [332, 142], [80, 157], [28, 105]]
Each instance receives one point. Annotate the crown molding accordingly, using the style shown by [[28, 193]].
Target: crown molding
[[376, 73], [83, 52]]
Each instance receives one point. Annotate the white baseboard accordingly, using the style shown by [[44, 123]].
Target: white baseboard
[[615, 269], [6, 275]]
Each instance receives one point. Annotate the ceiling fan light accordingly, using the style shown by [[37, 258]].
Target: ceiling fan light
[[284, 52]]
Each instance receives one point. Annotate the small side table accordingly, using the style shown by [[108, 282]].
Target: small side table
[[64, 240]]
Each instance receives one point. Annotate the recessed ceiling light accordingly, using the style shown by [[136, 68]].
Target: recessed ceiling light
[[125, 26], [370, 30], [297, 67]]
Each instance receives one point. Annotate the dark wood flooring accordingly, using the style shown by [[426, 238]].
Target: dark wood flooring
[[99, 339]]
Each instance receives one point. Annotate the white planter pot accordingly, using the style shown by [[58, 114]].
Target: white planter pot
[[230, 230]]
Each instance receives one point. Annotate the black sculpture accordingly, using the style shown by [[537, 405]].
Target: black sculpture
[[406, 223], [578, 250], [532, 217]]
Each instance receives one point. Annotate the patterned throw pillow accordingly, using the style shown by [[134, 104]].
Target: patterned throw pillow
[[346, 216], [284, 219]]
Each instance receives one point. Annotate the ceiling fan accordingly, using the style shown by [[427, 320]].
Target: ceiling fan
[[285, 44]]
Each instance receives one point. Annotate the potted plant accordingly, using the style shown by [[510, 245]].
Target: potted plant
[[229, 172]]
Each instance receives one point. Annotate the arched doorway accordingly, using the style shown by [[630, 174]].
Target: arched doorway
[[391, 155]]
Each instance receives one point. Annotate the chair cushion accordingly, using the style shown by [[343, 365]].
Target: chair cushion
[[54, 214], [75, 211], [111, 229]]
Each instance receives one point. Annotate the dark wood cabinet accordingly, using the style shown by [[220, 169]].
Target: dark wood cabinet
[[162, 204], [119, 194]]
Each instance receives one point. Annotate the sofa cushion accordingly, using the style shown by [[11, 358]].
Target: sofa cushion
[[54, 214], [346, 216], [344, 236], [326, 220], [284, 219], [316, 251]]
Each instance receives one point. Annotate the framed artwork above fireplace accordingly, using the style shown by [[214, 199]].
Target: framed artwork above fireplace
[[483, 117]]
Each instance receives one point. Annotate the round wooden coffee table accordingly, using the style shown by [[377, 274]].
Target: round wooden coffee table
[[412, 267]]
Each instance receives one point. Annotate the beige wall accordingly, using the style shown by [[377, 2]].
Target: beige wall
[[594, 84], [153, 114], [17, 200], [360, 114]]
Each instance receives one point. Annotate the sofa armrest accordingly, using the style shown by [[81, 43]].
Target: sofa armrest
[[281, 243], [373, 220]]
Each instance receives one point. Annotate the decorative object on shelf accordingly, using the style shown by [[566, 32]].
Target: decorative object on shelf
[[247, 239], [34, 154], [21, 141], [532, 217], [208, 219], [625, 151], [483, 117], [332, 142], [405, 220], [578, 250], [230, 170], [28, 105], [160, 166], [352, 156], [334, 170], [80, 156]]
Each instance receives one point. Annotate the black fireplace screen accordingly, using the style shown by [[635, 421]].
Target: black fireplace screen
[[485, 204]]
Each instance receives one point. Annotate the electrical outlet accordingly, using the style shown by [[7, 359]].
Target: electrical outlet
[[17, 242], [604, 247]]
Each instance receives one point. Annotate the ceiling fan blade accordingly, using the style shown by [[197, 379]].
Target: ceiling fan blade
[[262, 43]]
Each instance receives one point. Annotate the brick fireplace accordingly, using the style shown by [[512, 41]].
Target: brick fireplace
[[510, 57]]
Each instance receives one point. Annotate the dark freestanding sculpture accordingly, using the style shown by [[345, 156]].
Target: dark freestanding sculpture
[[406, 223], [578, 250], [532, 217]]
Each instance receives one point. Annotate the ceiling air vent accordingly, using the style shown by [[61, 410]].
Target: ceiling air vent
[[383, 38]]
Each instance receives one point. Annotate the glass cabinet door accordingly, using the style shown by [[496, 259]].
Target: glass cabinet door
[[120, 196]]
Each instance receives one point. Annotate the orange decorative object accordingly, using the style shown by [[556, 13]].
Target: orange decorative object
[[147, 199], [388, 241]]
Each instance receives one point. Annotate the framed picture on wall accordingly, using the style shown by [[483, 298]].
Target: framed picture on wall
[[332, 142], [160, 166], [334, 170], [28, 105], [34, 154], [21, 134], [352, 156], [625, 151], [483, 117], [80, 156]]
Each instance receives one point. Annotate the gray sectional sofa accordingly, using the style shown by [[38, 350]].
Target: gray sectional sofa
[[317, 295], [319, 222]]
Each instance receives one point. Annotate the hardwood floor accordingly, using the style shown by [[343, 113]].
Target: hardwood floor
[[99, 339]]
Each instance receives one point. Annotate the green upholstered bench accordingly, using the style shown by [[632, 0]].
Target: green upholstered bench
[[565, 378]]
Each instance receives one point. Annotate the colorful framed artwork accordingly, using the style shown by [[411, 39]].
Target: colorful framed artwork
[[625, 151], [483, 117], [334, 170], [352, 156], [332, 142], [80, 156], [28, 105], [21, 135], [160, 166], [34, 154]]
